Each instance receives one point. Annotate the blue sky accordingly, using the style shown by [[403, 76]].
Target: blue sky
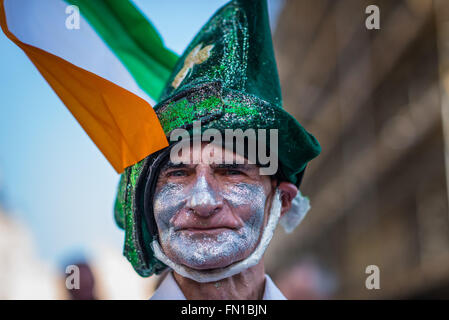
[[52, 176]]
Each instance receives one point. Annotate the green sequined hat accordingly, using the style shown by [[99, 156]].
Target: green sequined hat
[[227, 79]]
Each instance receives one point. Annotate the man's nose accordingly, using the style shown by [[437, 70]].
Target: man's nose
[[204, 200]]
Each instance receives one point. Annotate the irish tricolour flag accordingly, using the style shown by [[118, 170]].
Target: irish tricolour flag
[[105, 61]]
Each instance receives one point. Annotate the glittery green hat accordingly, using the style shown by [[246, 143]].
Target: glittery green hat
[[227, 79]]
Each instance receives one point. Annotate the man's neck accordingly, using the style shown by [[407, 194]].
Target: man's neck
[[247, 285]]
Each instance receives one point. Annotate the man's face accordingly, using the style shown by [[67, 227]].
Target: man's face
[[211, 215]]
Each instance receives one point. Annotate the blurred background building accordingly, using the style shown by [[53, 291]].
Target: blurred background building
[[22, 274], [25, 275], [378, 191]]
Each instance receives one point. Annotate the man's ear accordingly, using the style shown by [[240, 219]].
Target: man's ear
[[288, 193]]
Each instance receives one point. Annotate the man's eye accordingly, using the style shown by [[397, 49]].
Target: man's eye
[[177, 173], [233, 172]]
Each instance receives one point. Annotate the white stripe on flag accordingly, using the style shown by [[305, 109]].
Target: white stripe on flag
[[42, 23]]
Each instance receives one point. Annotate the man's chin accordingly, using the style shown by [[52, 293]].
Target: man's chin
[[213, 263], [204, 263], [207, 254]]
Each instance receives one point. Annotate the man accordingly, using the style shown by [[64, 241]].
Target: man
[[211, 221], [211, 216]]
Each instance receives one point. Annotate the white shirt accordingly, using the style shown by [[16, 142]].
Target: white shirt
[[169, 290]]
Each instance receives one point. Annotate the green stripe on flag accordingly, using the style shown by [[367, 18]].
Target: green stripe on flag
[[133, 39]]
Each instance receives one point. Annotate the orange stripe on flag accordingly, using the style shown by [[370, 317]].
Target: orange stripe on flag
[[123, 126]]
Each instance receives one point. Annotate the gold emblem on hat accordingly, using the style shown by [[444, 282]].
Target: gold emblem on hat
[[197, 56]]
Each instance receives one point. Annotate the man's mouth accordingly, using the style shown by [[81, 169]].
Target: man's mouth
[[206, 230]]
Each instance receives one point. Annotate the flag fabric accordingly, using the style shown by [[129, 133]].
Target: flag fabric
[[105, 61]]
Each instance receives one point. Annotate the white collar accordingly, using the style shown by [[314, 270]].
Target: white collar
[[169, 290]]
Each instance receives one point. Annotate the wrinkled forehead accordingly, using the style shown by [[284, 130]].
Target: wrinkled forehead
[[207, 153]]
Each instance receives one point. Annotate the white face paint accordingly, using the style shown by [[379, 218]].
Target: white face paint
[[213, 275], [205, 224]]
